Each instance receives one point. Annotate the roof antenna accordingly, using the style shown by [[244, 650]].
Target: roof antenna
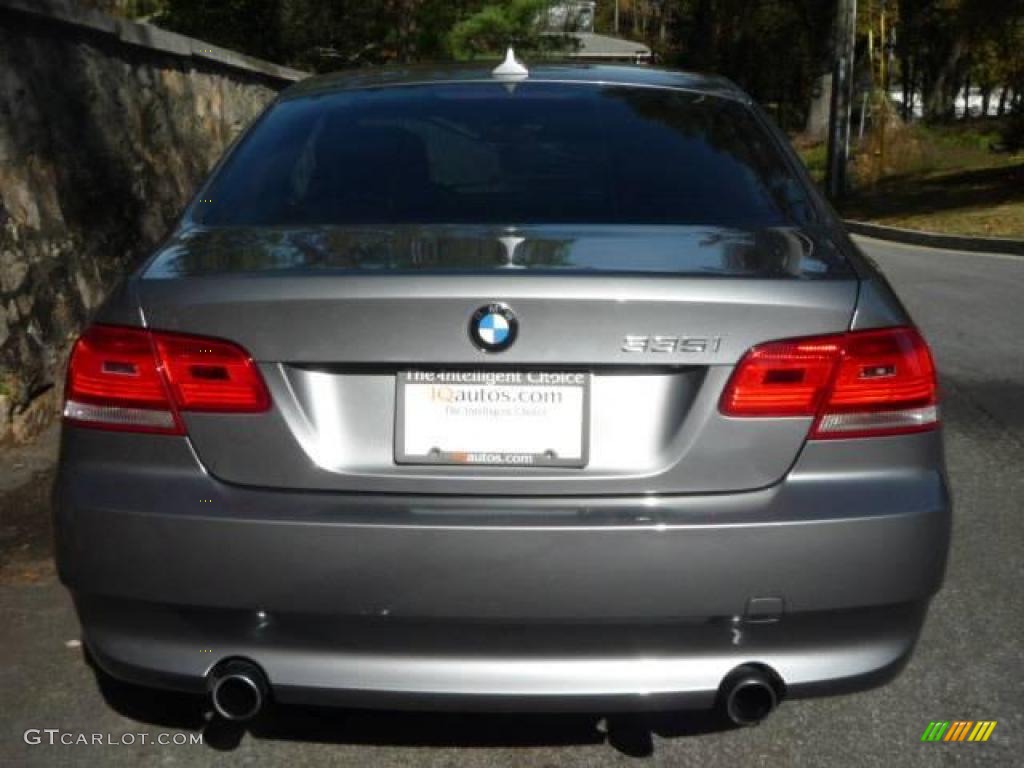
[[510, 68]]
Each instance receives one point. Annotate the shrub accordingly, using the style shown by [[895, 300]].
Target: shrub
[[1013, 132]]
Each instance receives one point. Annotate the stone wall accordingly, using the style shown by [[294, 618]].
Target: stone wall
[[106, 129]]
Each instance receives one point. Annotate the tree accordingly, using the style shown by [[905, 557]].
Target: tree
[[345, 33], [317, 35], [945, 44], [775, 49], [250, 26], [519, 23]]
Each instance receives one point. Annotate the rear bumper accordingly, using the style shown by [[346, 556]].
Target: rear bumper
[[408, 665], [580, 603]]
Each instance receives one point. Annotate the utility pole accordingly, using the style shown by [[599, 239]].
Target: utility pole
[[842, 96], [616, 18], [883, 111]]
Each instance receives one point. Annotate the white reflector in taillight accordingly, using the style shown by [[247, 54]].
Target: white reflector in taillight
[[857, 384], [138, 380]]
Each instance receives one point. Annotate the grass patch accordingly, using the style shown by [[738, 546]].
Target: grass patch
[[956, 179], [988, 202]]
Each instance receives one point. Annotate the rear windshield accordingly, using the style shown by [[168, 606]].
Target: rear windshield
[[494, 153]]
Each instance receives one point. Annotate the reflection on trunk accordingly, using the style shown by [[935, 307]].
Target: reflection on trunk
[[768, 252]]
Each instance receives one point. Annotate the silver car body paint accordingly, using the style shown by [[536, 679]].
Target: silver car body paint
[[690, 543]]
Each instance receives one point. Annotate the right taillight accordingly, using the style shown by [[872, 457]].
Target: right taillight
[[856, 384], [137, 380]]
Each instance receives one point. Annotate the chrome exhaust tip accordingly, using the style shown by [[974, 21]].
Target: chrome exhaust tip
[[238, 690], [749, 694]]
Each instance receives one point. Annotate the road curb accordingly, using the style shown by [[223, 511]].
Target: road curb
[[934, 240]]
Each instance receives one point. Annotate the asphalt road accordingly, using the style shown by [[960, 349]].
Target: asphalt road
[[968, 664]]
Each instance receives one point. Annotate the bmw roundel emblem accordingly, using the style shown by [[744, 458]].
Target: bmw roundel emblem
[[493, 327]]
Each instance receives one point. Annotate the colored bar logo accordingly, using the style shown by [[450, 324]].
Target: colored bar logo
[[959, 730]]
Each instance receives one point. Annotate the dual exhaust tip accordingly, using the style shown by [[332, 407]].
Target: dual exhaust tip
[[748, 694]]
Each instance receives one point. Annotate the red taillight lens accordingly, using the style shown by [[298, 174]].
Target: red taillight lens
[[884, 384], [782, 378], [138, 380], [211, 375], [114, 382], [857, 384]]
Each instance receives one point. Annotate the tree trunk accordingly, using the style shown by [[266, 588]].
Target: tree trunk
[[939, 100], [1001, 108], [908, 88], [702, 41], [405, 25], [818, 113], [967, 97]]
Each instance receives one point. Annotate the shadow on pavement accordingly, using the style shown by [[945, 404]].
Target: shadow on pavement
[[631, 734], [1002, 402], [26, 532]]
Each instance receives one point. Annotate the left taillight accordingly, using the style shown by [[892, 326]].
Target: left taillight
[[138, 380]]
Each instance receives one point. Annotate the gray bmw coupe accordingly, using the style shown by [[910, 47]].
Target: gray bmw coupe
[[558, 389]]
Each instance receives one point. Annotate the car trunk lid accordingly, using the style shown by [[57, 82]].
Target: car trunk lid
[[334, 317]]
